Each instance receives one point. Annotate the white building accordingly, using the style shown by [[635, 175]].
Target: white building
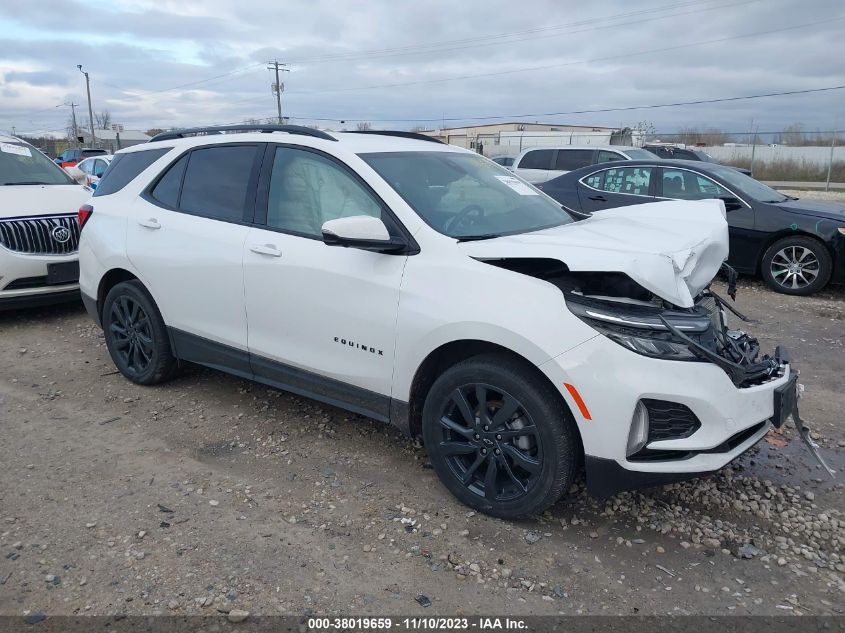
[[505, 139]]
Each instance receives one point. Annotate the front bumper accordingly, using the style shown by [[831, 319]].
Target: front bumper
[[24, 280], [612, 380]]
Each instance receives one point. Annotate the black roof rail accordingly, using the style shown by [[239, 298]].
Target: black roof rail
[[218, 129], [414, 135]]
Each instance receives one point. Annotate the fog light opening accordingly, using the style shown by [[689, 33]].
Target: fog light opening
[[638, 436]]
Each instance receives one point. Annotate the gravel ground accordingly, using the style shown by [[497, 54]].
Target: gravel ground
[[213, 494]]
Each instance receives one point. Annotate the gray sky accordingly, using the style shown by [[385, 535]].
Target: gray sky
[[383, 60]]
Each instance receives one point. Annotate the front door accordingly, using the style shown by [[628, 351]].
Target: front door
[[686, 184], [322, 319]]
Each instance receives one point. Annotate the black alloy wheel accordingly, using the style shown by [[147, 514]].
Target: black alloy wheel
[[490, 442], [131, 329], [136, 335], [499, 437]]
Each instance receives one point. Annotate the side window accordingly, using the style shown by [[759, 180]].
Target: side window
[[630, 180], [569, 159], [99, 168], [124, 168], [688, 185], [595, 180], [307, 189], [537, 159], [606, 156], [84, 167], [217, 181], [166, 190]]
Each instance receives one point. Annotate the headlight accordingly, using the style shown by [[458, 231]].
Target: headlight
[[656, 348], [639, 328]]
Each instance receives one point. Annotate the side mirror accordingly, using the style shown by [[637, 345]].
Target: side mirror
[[731, 203], [361, 231]]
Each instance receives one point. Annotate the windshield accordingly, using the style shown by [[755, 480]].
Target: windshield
[[466, 196], [20, 164], [640, 154], [747, 185]]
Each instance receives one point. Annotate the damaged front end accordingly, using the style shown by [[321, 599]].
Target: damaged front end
[[621, 309], [629, 315], [650, 327]]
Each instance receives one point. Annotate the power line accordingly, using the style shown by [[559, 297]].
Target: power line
[[594, 111]]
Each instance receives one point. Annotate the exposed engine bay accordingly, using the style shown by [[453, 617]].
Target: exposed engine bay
[[618, 307]]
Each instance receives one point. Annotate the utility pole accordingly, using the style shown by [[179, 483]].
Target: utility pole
[[277, 87], [830, 160], [73, 116], [90, 109]]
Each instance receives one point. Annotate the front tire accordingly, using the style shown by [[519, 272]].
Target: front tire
[[499, 437], [136, 336], [796, 265]]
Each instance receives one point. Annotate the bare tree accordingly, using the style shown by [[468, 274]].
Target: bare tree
[[703, 136], [364, 126], [793, 134], [103, 120], [153, 131]]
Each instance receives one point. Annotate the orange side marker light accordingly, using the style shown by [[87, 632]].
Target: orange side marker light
[[582, 407]]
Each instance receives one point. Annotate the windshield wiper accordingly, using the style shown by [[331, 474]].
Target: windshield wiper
[[477, 238], [31, 182]]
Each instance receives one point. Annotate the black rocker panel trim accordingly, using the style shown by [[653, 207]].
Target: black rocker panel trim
[[202, 351]]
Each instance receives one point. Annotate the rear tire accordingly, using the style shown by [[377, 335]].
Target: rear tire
[[796, 265], [499, 437], [136, 335]]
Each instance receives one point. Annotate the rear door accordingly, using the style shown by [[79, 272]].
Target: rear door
[[185, 236], [535, 164], [616, 187]]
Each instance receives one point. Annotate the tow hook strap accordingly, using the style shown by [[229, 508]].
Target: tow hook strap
[[804, 432]]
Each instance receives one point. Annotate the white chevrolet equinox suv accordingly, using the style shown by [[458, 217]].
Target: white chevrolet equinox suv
[[421, 284]]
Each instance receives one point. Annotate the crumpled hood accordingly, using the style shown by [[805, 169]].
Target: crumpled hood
[[19, 200], [672, 248]]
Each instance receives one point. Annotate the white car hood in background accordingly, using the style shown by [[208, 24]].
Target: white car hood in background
[[672, 248], [19, 200]]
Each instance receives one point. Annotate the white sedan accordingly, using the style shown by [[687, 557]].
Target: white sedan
[[94, 168]]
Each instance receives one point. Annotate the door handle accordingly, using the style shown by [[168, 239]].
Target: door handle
[[598, 198], [150, 223], [266, 249]]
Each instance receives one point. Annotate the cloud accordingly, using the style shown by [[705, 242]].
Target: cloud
[[145, 58]]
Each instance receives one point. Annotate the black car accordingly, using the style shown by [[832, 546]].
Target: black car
[[798, 246], [670, 152]]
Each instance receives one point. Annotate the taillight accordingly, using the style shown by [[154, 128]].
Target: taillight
[[83, 214]]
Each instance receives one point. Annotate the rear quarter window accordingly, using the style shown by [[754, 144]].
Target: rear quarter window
[[125, 167], [537, 159]]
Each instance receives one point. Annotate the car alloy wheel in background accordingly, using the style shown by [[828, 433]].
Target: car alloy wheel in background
[[796, 265]]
